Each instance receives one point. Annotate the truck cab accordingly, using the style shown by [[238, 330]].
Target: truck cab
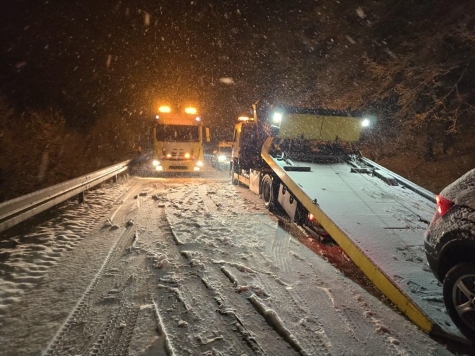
[[246, 146], [178, 141]]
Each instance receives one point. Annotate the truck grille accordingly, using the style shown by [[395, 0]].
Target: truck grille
[[178, 167]]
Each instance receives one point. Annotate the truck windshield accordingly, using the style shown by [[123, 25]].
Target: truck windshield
[[180, 133], [225, 149]]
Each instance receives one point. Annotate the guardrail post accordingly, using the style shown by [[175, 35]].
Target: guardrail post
[[82, 197], [114, 179]]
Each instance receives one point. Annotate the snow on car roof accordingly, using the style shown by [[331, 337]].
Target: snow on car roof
[[462, 190]]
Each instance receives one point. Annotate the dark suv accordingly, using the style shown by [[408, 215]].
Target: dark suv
[[450, 250]]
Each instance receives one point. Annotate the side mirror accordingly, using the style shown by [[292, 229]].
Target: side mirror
[[207, 134], [274, 130]]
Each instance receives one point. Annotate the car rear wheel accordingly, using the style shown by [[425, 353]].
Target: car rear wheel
[[459, 297]]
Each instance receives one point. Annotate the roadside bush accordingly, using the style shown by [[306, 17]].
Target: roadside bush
[[37, 151]]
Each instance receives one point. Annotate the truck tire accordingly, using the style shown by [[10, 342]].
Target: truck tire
[[234, 169], [267, 190], [301, 214]]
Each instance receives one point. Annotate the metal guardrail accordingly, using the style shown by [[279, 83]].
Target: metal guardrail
[[17, 210]]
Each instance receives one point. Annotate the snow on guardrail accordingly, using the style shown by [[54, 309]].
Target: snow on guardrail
[[17, 210]]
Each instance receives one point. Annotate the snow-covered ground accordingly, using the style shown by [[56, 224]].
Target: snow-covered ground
[[184, 266]]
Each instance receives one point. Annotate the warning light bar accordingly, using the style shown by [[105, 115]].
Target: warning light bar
[[164, 108], [190, 110]]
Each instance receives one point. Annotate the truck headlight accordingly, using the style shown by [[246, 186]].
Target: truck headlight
[[159, 168], [277, 117], [222, 158], [365, 122], [199, 164], [155, 162]]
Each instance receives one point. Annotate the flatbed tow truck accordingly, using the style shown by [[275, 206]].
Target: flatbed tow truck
[[306, 162]]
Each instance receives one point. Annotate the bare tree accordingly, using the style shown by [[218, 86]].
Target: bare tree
[[429, 77]]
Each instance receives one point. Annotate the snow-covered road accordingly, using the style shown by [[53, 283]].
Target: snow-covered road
[[184, 266]]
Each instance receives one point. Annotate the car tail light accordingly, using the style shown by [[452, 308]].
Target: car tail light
[[443, 205]]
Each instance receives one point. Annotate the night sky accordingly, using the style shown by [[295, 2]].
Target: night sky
[[92, 57]]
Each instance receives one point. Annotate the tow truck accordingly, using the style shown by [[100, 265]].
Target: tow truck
[[307, 162]]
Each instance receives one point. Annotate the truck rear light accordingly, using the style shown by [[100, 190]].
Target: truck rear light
[[311, 217], [443, 205]]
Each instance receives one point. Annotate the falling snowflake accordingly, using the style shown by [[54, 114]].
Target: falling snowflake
[[226, 80], [360, 12]]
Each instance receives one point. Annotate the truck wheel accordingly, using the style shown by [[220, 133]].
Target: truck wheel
[[267, 191], [301, 214], [234, 169], [459, 297]]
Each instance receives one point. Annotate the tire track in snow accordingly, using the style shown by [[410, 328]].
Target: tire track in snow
[[280, 249], [246, 297], [303, 322], [56, 344], [220, 292], [344, 319], [129, 287], [208, 202], [276, 322], [316, 338], [35, 253], [291, 303], [178, 294], [117, 332], [161, 328], [62, 341], [187, 308]]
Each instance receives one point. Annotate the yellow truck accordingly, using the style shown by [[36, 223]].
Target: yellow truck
[[178, 138]]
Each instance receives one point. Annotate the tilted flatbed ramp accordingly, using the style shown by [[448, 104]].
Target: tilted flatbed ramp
[[381, 228]]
